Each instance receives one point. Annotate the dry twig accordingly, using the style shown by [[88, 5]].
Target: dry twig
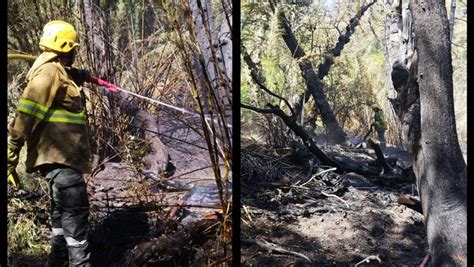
[[247, 212], [273, 247], [332, 195], [368, 259], [318, 174]]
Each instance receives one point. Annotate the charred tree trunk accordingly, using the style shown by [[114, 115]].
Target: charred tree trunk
[[424, 85], [313, 83], [308, 141], [441, 170]]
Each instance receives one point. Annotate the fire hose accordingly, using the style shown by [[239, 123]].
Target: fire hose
[[114, 88]]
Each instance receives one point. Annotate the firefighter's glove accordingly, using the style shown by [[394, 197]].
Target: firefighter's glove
[[12, 162], [12, 158], [79, 76]]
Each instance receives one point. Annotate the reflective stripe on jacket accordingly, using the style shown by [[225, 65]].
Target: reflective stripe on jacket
[[50, 118]]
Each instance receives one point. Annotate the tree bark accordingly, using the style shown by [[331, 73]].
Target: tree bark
[[452, 19], [422, 78], [440, 167], [216, 52]]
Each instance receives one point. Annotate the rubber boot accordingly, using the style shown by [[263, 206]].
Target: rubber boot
[[79, 255], [59, 252]]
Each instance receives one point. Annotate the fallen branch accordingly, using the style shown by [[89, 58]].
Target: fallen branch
[[273, 247], [426, 260], [311, 144], [368, 259], [332, 195], [318, 174], [242, 219], [298, 187], [247, 212], [258, 78]]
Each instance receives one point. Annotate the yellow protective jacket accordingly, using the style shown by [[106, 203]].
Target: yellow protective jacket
[[51, 119], [380, 124]]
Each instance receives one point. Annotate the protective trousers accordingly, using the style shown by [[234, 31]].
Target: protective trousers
[[69, 217], [381, 135]]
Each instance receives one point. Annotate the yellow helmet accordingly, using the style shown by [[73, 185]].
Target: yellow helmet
[[58, 36]]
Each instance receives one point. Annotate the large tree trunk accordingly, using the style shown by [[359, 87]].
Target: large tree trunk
[[440, 166], [96, 26], [423, 81]]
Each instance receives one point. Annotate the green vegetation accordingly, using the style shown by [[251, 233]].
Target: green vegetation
[[358, 78]]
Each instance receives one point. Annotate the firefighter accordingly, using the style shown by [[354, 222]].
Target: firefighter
[[379, 125], [51, 120]]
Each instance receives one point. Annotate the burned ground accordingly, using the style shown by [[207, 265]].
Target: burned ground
[[331, 218]]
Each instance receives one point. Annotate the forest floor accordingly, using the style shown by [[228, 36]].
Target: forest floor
[[289, 219], [138, 221]]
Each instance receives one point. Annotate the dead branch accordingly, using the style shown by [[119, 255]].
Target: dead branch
[[259, 110], [323, 68], [426, 260], [273, 247], [311, 144], [301, 132], [368, 259], [247, 212], [332, 195], [318, 174], [258, 78]]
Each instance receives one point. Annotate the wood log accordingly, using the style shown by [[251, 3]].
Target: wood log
[[341, 166], [411, 203]]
